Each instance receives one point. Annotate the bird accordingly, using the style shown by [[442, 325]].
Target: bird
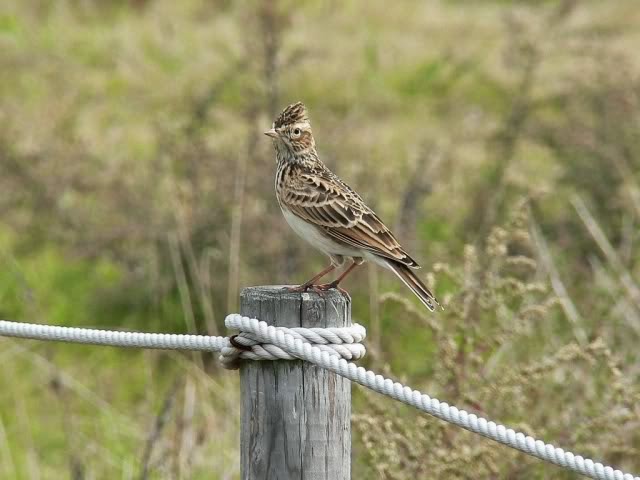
[[329, 214]]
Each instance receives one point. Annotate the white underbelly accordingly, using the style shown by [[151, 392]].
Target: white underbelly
[[317, 238]]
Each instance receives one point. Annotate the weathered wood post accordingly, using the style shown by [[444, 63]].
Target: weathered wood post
[[296, 418]]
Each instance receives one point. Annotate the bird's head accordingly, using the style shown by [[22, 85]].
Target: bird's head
[[292, 130]]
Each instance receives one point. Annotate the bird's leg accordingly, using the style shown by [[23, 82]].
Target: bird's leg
[[337, 281], [310, 283]]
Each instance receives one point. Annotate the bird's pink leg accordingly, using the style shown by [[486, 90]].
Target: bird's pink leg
[[310, 284], [335, 283]]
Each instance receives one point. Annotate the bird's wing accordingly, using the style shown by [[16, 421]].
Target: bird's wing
[[321, 198]]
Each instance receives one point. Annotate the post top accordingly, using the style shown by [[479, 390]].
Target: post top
[[278, 292]]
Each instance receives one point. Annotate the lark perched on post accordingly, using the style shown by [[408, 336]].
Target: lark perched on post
[[328, 214]]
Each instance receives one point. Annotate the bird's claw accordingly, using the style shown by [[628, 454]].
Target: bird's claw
[[319, 289], [333, 285], [305, 288]]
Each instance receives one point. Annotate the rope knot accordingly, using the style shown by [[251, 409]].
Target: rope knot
[[251, 344]]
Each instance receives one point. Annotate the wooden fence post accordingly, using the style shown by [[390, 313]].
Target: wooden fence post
[[296, 418]]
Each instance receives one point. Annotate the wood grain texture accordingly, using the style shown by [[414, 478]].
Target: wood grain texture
[[296, 418]]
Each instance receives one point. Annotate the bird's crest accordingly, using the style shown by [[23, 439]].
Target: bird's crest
[[295, 113]]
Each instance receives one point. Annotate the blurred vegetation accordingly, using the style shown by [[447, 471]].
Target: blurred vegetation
[[501, 139]]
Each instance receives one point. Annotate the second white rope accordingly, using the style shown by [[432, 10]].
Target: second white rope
[[423, 402]]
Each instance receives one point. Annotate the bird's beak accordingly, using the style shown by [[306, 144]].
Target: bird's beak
[[271, 133]]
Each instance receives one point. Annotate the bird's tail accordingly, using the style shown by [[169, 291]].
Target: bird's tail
[[411, 280]]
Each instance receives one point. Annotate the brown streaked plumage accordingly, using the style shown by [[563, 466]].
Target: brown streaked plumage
[[329, 214]]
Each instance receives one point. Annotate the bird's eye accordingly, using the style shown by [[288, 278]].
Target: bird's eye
[[296, 132]]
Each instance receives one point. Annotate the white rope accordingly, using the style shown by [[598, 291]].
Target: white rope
[[342, 342], [166, 341], [296, 344]]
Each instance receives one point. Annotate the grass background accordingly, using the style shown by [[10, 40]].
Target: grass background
[[499, 139]]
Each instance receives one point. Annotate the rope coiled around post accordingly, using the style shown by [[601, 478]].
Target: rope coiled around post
[[341, 342], [314, 347]]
